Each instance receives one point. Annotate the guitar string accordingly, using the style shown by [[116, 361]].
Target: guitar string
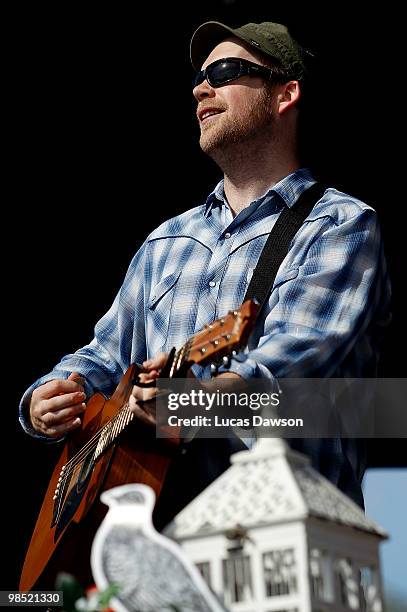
[[66, 474], [95, 438], [182, 355], [92, 444], [180, 358], [94, 441]]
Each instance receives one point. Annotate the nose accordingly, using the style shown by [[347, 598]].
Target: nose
[[203, 90]]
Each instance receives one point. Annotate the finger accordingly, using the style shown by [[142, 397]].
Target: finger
[[137, 410], [63, 416], [61, 401], [56, 431], [153, 374], [77, 378], [145, 378], [142, 394], [156, 363], [54, 387]]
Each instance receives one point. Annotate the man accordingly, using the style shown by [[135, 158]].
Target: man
[[330, 296]]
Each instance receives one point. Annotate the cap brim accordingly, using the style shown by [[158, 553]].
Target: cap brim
[[205, 38]]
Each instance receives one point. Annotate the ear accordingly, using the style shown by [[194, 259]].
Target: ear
[[288, 97]]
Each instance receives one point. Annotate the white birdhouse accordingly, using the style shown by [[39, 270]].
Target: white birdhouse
[[273, 535]]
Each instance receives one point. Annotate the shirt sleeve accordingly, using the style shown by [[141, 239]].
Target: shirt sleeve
[[317, 315], [119, 340]]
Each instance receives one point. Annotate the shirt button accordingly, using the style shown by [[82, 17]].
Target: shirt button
[[212, 283], [227, 235]]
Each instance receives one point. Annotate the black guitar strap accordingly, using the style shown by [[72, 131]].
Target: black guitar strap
[[278, 243]]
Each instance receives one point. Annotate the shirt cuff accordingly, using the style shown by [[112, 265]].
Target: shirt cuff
[[248, 369]]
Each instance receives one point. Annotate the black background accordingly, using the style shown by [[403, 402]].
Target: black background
[[104, 147]]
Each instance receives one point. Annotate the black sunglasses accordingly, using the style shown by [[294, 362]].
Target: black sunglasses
[[231, 68]]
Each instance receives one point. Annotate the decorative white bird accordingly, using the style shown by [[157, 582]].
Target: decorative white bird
[[150, 570]]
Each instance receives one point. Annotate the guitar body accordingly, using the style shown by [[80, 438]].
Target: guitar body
[[109, 450], [136, 457]]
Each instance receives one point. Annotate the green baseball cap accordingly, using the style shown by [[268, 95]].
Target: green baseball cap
[[272, 39]]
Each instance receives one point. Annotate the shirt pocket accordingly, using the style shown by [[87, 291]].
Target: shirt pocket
[[159, 308]]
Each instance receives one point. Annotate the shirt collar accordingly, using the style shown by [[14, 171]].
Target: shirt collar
[[292, 186], [215, 198], [288, 189]]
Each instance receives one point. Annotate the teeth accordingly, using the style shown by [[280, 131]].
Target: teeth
[[209, 114]]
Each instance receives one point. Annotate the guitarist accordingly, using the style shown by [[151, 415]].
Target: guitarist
[[330, 296]]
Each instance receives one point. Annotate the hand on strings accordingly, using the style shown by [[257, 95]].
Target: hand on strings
[[141, 401]]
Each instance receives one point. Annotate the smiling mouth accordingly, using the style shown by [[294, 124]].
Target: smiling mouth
[[209, 114]]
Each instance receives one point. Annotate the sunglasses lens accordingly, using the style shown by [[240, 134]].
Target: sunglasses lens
[[223, 72], [219, 72]]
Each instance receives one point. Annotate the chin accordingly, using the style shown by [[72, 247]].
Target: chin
[[212, 142]]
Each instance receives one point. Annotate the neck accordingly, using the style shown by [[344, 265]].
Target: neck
[[250, 171]]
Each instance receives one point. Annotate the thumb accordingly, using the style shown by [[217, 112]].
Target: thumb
[[77, 378]]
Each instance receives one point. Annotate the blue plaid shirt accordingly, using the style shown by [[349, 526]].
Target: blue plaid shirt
[[329, 301]]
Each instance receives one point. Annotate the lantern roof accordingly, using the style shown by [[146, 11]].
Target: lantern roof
[[267, 485]]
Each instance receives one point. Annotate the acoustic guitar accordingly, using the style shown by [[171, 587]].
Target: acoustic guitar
[[112, 448]]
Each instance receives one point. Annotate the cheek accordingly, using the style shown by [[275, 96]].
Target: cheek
[[239, 105], [243, 100]]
